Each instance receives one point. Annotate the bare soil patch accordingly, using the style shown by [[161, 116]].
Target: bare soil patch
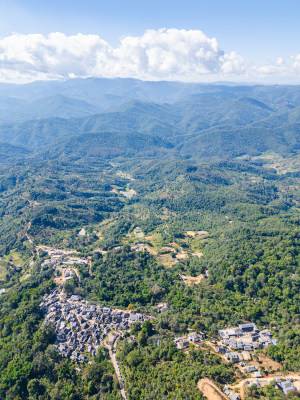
[[191, 233], [210, 390], [182, 256], [128, 193], [192, 280], [198, 254], [166, 260], [267, 363], [150, 250], [165, 195], [202, 234]]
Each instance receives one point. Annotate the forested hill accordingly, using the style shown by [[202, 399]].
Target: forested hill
[[109, 93], [110, 145], [218, 122]]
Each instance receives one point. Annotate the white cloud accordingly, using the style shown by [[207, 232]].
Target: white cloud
[[171, 54], [296, 64], [288, 70], [157, 54]]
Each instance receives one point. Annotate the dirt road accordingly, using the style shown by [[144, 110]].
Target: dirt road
[[112, 354]]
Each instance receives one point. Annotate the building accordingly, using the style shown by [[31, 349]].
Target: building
[[256, 383], [233, 396], [220, 349], [182, 344], [286, 386], [234, 357], [75, 298], [246, 355], [195, 338], [250, 368], [247, 328], [230, 395], [227, 333]]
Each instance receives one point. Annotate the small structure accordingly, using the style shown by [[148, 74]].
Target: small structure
[[182, 344], [220, 349], [195, 338], [162, 307], [246, 355], [227, 333], [75, 297], [249, 327], [250, 368], [256, 383], [286, 386], [234, 357], [229, 394], [138, 232]]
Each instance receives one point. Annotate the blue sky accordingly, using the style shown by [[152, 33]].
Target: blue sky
[[258, 31]]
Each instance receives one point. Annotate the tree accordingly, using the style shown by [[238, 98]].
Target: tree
[[35, 389]]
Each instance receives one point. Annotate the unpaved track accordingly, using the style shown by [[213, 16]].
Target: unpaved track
[[112, 354], [210, 390]]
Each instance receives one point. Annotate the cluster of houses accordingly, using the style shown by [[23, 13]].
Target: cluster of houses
[[81, 327], [62, 258], [246, 337], [286, 386], [63, 263], [184, 341]]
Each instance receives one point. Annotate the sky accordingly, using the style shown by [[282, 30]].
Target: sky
[[215, 40]]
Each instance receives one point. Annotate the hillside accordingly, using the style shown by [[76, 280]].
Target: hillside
[[107, 93], [14, 110], [109, 145], [206, 126], [8, 151], [234, 223]]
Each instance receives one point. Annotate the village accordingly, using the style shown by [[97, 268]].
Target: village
[[237, 345], [82, 326]]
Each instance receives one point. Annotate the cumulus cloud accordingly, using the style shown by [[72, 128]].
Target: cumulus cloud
[[171, 54], [157, 54], [288, 69]]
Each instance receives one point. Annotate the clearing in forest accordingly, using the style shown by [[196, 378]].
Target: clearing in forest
[[197, 234], [210, 390], [128, 193], [267, 363], [197, 254], [182, 256], [192, 280], [166, 260]]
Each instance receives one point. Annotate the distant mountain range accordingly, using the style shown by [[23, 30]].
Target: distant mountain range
[[129, 116], [17, 110]]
